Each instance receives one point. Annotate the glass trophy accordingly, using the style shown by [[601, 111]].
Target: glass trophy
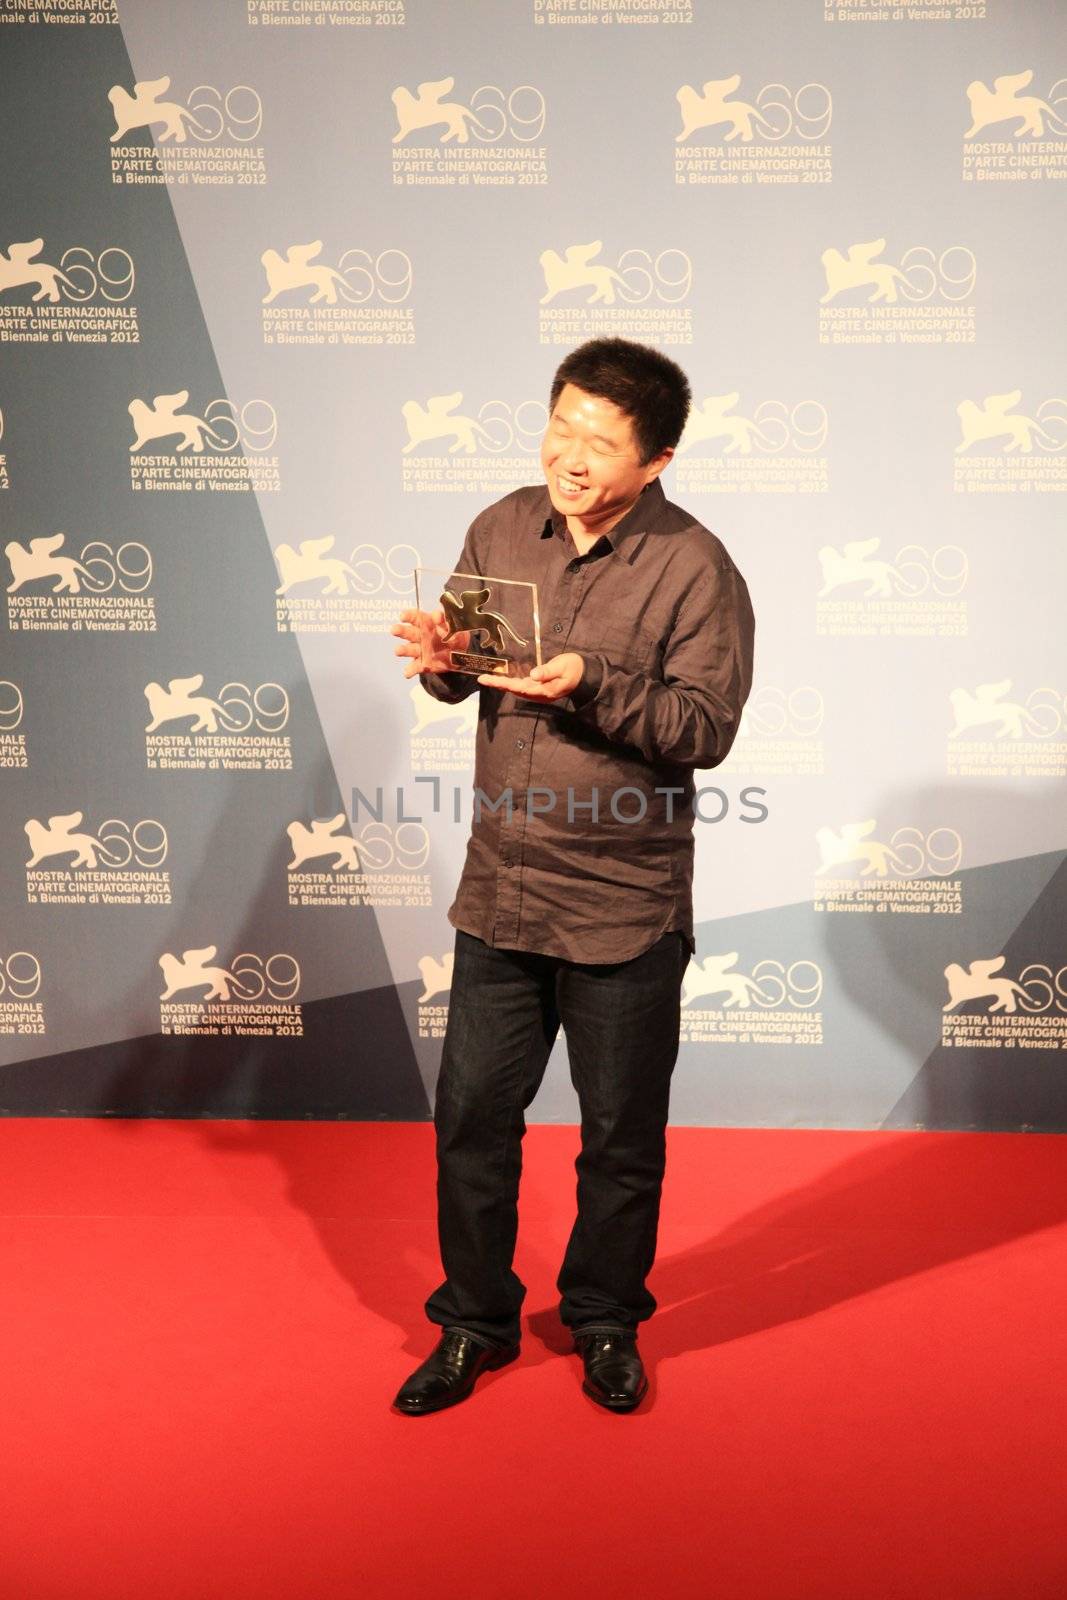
[[491, 624]]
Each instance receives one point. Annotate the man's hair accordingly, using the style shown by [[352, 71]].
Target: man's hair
[[648, 386]]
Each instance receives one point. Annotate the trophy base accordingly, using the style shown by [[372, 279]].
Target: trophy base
[[464, 661]]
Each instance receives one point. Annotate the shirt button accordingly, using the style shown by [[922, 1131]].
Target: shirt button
[[557, 627], [520, 744]]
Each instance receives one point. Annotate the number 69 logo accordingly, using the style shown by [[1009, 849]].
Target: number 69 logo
[[12, 705], [250, 978], [20, 976]]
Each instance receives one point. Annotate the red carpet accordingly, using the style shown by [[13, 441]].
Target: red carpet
[[857, 1374]]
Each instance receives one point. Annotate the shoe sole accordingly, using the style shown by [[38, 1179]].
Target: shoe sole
[[502, 1360], [614, 1405]]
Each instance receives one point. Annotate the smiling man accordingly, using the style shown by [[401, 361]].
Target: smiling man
[[574, 907]]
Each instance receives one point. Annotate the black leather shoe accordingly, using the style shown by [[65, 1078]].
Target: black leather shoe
[[449, 1374], [614, 1374]]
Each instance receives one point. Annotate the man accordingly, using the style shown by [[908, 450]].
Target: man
[[575, 903]]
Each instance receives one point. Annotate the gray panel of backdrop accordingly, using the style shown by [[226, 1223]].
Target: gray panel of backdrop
[[282, 287]]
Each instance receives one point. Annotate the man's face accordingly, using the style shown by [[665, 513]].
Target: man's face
[[591, 461]]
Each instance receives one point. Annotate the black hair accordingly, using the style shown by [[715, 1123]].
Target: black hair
[[650, 388]]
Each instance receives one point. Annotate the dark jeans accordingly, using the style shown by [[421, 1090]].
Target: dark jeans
[[621, 1025]]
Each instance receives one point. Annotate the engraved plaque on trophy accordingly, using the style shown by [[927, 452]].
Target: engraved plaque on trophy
[[491, 624]]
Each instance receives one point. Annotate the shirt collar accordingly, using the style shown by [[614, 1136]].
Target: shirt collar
[[628, 534]]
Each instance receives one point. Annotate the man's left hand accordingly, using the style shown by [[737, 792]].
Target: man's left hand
[[550, 681]]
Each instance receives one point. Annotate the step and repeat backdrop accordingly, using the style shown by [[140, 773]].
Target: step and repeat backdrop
[[283, 284]]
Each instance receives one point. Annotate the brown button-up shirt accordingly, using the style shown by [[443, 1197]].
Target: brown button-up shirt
[[581, 843]]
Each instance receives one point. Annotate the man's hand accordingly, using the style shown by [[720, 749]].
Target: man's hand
[[422, 635], [550, 681]]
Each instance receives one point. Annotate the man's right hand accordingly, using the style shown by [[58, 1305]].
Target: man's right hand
[[422, 640]]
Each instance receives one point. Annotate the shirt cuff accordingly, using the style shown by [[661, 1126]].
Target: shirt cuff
[[447, 686], [589, 687]]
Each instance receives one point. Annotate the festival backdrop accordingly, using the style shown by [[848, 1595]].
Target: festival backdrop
[[282, 287]]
